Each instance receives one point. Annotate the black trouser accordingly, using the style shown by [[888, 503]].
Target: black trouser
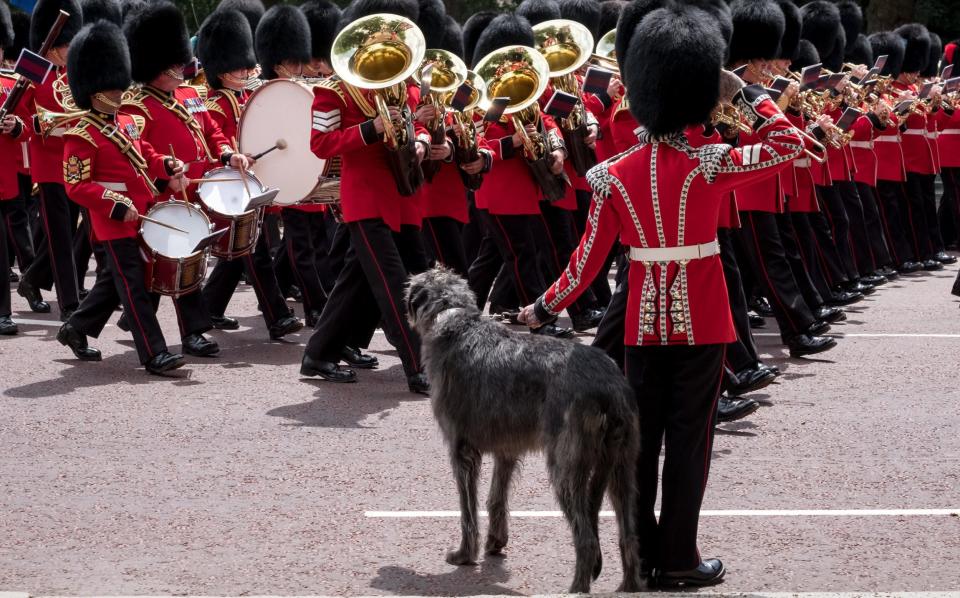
[[859, 236], [774, 274], [16, 221], [305, 235], [472, 230], [918, 231], [879, 252], [488, 262], [929, 194], [832, 206], [827, 252], [54, 264], [121, 282], [373, 278], [611, 331], [741, 353], [949, 210], [514, 239], [270, 230], [258, 267], [810, 253], [558, 239], [791, 248], [5, 308], [192, 314], [893, 202], [676, 389], [443, 242]]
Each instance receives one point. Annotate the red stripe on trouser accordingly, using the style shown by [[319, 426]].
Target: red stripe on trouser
[[436, 242], [393, 304], [516, 261], [553, 244], [50, 256], [123, 279], [913, 230], [176, 307], [891, 245], [259, 288], [763, 268]]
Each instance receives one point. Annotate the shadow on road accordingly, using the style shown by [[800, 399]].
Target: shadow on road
[[119, 368], [462, 581]]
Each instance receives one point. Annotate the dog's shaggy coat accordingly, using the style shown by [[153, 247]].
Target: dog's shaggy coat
[[507, 394]]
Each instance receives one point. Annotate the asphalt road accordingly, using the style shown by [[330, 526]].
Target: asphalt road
[[236, 477]]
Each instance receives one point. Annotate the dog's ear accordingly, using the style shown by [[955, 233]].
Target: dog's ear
[[417, 297]]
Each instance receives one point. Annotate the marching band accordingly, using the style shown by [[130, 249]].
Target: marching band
[[384, 138]]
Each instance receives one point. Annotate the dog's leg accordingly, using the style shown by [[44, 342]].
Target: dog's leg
[[569, 485], [466, 461], [503, 468], [598, 485], [623, 496]]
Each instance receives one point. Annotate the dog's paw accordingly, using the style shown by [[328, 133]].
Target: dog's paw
[[461, 558], [494, 546], [598, 566], [630, 586]]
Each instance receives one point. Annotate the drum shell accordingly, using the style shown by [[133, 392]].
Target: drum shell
[[173, 277], [242, 238]]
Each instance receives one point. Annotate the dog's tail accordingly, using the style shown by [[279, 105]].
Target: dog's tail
[[621, 449]]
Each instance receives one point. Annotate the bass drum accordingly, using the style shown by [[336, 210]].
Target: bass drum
[[281, 110]]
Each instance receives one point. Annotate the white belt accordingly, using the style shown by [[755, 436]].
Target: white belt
[[801, 163], [950, 132], [58, 132], [118, 187], [862, 144], [888, 138], [932, 134], [915, 132], [674, 254]]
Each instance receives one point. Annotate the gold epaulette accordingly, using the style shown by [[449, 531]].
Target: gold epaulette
[[334, 85], [214, 106], [136, 100], [139, 121], [200, 89], [81, 131]]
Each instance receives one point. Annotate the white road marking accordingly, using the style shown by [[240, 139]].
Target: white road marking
[[872, 335], [706, 513]]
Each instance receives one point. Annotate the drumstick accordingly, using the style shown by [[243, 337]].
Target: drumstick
[[183, 188], [226, 180], [280, 145], [243, 171], [163, 224]]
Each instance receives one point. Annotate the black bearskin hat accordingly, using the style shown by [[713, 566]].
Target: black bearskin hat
[[758, 26], [128, 7], [834, 60], [851, 17], [94, 10], [7, 35], [364, 8], [821, 21], [252, 9], [505, 30], [472, 30], [432, 21], [629, 21], [158, 39], [806, 56], [917, 51], [860, 52], [720, 11], [609, 15], [672, 71], [891, 45], [45, 13], [791, 33], [21, 33], [933, 62], [283, 35], [224, 44], [452, 37], [322, 16], [538, 11], [585, 12], [98, 60]]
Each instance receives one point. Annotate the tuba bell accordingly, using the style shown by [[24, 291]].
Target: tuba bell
[[567, 46], [379, 53], [605, 54], [447, 72], [521, 74]]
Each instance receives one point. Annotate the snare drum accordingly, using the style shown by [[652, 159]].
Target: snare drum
[[172, 266], [224, 203]]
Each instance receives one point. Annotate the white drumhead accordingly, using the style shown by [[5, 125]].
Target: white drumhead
[[228, 197], [282, 109], [171, 243]]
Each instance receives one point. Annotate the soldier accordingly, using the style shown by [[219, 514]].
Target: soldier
[[678, 316], [175, 117], [225, 49], [107, 169]]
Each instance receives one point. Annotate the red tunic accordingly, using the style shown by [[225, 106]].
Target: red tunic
[[948, 141], [917, 152], [102, 179], [343, 126], [623, 126], [602, 109], [11, 149], [663, 193], [865, 130], [196, 138], [445, 195], [46, 152], [889, 152], [509, 188]]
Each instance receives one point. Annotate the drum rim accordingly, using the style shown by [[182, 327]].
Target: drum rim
[[163, 255]]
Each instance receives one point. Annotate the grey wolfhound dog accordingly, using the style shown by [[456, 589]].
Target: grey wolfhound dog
[[505, 393]]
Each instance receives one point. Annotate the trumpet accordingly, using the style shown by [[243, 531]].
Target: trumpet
[[47, 120], [521, 73], [567, 46], [379, 53], [728, 116], [447, 73]]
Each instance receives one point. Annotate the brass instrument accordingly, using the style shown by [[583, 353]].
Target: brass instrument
[[379, 53], [63, 95], [467, 147], [605, 54], [47, 120], [520, 73], [448, 73], [567, 46], [728, 116]]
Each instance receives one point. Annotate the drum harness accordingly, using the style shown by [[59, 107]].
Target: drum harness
[[113, 134]]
